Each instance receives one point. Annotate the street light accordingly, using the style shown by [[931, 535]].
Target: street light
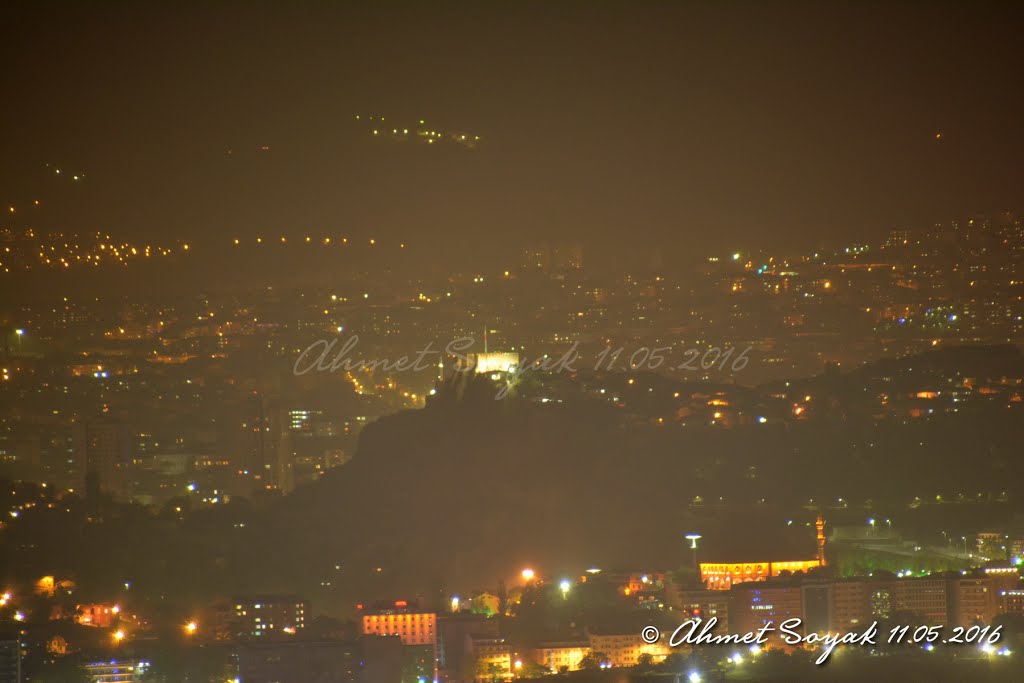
[[19, 333], [693, 538]]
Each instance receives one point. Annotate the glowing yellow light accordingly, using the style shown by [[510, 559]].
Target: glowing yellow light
[[528, 574], [191, 627], [118, 636]]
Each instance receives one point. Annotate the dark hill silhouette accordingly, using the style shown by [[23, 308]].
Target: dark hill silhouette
[[469, 491]]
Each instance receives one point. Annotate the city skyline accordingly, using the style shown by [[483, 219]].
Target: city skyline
[[532, 342]]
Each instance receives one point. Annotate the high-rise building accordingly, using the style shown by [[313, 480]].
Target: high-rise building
[[10, 661], [268, 451], [102, 449], [972, 600], [850, 605]]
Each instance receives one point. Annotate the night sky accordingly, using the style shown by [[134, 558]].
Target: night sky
[[693, 125]]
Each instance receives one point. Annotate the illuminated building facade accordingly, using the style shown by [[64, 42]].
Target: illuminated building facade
[[1000, 583], [100, 615], [267, 616], [638, 582], [416, 629], [971, 601], [850, 605], [925, 598], [702, 604], [558, 656], [624, 649], [723, 576], [486, 603], [493, 658], [116, 671], [1011, 602], [494, 361]]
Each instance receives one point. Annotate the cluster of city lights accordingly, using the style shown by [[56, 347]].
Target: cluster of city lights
[[378, 127], [27, 251], [323, 240]]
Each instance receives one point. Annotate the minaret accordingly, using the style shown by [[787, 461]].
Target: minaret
[[819, 524]]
